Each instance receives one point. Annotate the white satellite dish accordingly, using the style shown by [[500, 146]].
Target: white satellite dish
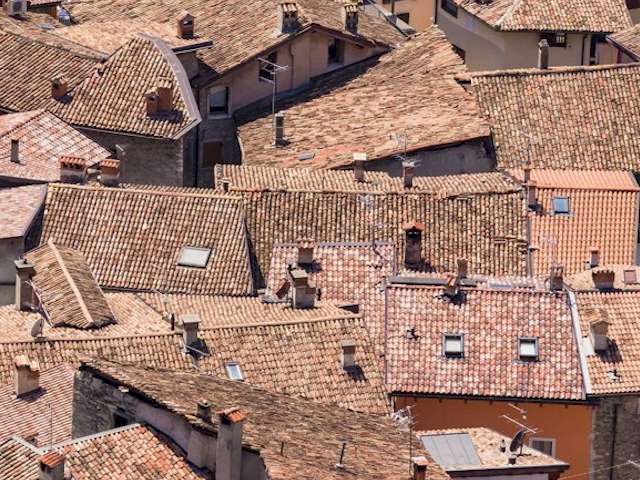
[[36, 329]]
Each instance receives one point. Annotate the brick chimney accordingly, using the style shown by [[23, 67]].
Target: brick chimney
[[350, 17], [278, 129], [59, 87], [15, 150], [594, 258], [348, 355], [288, 21], [109, 172], [51, 466], [599, 331], [152, 102], [543, 55], [190, 325], [26, 375], [73, 169], [359, 159], [229, 443], [408, 170], [603, 279], [419, 465], [24, 291], [413, 244], [305, 252], [556, 282], [304, 295], [165, 95], [185, 25]]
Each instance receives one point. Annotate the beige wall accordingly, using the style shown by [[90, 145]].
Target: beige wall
[[635, 15], [421, 12]]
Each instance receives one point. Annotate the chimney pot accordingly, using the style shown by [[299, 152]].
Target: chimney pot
[[413, 244], [348, 357], [305, 252], [304, 295], [279, 138], [408, 170], [225, 185], [288, 17], [594, 260], [26, 375], [203, 410], [190, 325], [109, 172], [24, 291], [15, 150], [512, 459], [73, 169], [556, 278], [185, 25], [543, 55], [599, 332], [359, 160], [420, 465], [51, 466], [350, 17], [59, 87]]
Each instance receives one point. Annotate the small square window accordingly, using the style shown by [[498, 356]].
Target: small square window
[[561, 206], [194, 257], [233, 371], [630, 276], [528, 348], [544, 445], [219, 101], [453, 345], [555, 39]]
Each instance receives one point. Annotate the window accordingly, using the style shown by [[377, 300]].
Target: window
[[450, 7], [120, 419], [561, 206], [266, 71], [528, 349], [335, 53], [194, 257], [544, 445], [555, 39], [453, 345], [404, 17], [233, 371], [630, 276], [219, 101]]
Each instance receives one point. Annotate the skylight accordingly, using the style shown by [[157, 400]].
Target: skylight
[[194, 257], [453, 345], [630, 276], [561, 206], [233, 371], [528, 348]]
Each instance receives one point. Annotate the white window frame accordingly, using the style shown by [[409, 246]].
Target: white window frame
[[527, 358], [561, 197], [544, 439], [208, 251], [228, 365], [215, 89], [444, 345]]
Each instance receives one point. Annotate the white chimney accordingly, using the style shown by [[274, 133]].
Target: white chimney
[[594, 259], [599, 331], [543, 55], [26, 375], [15, 150], [305, 252], [229, 444], [359, 160], [288, 17], [24, 290], [190, 325], [348, 356], [408, 170], [51, 466], [304, 295], [350, 17]]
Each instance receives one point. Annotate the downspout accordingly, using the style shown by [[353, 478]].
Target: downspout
[[386, 330], [584, 39], [612, 451], [292, 66]]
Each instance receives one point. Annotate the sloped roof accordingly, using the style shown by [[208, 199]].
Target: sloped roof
[[627, 40], [113, 97], [599, 16], [411, 91], [491, 321], [132, 239], [43, 140], [19, 207], [314, 432], [545, 117]]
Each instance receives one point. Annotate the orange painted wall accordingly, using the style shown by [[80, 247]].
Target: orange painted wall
[[570, 425]]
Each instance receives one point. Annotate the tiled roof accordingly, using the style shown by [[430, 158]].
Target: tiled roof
[[551, 15], [301, 358], [28, 65], [546, 117], [628, 40], [411, 91], [312, 433], [43, 139], [491, 320], [240, 31], [18, 461], [133, 239], [112, 97], [67, 289], [43, 416], [583, 281], [19, 207]]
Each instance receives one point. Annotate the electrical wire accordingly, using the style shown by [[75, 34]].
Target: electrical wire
[[573, 475]]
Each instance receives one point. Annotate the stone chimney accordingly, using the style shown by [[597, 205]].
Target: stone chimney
[[288, 21], [599, 331], [556, 282], [203, 410], [350, 17], [419, 465], [304, 295], [185, 25], [109, 172], [359, 159], [229, 443], [603, 279], [15, 150], [73, 169], [51, 466], [59, 87], [413, 244], [190, 325], [305, 252], [26, 376], [348, 355], [594, 258], [543, 55], [278, 129], [408, 170], [24, 290]]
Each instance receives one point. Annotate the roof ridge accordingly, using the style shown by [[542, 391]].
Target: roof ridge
[[52, 45], [346, 316], [88, 438], [34, 114], [89, 339], [508, 13], [524, 72]]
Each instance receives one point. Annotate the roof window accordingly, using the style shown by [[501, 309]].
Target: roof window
[[233, 371], [453, 345], [194, 257], [561, 206], [528, 349], [630, 276]]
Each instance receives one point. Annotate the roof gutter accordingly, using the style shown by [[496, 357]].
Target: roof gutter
[[577, 332], [508, 470]]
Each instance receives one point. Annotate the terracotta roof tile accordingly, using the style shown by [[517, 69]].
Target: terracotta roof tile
[[19, 207], [18, 461], [628, 40]]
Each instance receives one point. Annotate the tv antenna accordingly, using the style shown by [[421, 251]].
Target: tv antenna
[[271, 69]]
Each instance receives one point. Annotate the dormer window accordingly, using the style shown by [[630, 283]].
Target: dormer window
[[233, 371], [528, 349], [561, 206], [453, 345]]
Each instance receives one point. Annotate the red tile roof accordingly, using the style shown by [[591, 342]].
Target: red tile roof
[[628, 40], [19, 208]]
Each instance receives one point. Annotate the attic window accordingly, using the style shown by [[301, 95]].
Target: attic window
[[630, 276], [561, 206], [194, 257], [453, 345], [555, 39], [233, 371], [528, 349], [335, 52]]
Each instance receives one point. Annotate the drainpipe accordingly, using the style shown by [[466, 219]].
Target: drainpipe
[[292, 66], [584, 39], [386, 330], [612, 451]]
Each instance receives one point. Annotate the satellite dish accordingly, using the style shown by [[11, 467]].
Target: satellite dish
[[36, 329], [517, 441]]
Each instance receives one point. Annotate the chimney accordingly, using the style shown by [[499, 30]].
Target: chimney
[[165, 95], [304, 295], [532, 201], [152, 100], [527, 173], [555, 279], [413, 244], [24, 291], [225, 185], [185, 25], [203, 410], [543, 55], [359, 160], [452, 287], [59, 87], [348, 357], [278, 129], [73, 169], [603, 279], [109, 172], [51, 466], [288, 17], [408, 170], [512, 459], [599, 331], [229, 444], [26, 376], [419, 468], [190, 325], [305, 252], [463, 268], [594, 259], [350, 17], [15, 150]]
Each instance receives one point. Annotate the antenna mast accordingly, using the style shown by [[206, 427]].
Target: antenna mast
[[273, 69]]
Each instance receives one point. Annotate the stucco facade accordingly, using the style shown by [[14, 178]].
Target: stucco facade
[[420, 12]]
